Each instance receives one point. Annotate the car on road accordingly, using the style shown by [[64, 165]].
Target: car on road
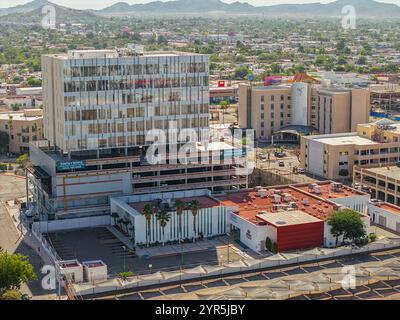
[[281, 163], [280, 155]]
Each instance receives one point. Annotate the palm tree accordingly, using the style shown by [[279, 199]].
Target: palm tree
[[180, 207], [194, 207], [163, 218], [148, 213], [126, 223], [114, 215]]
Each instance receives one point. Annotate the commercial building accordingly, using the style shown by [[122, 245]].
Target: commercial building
[[314, 107], [385, 215], [333, 156], [292, 216], [101, 110], [22, 127], [382, 182]]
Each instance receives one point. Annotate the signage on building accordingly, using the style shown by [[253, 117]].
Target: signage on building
[[248, 235], [74, 165]]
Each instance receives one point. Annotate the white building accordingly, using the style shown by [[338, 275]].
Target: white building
[[211, 219]]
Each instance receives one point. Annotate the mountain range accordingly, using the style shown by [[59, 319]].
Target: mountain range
[[364, 9]]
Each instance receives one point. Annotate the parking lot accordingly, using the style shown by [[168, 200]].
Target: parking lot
[[101, 244]]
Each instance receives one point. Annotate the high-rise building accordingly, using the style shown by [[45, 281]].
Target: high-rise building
[[100, 107]]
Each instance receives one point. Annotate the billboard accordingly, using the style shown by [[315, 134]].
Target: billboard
[[268, 81], [74, 165]]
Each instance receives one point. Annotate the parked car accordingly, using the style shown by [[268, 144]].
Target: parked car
[[280, 154], [281, 163], [301, 171]]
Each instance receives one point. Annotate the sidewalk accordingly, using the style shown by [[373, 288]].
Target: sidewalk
[[192, 247]]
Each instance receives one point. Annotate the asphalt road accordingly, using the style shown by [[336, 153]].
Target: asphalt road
[[10, 239]]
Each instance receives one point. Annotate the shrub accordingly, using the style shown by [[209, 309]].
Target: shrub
[[268, 244], [3, 166], [11, 295], [125, 275], [274, 248], [372, 237], [23, 159]]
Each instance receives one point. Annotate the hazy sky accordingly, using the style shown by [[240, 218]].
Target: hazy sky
[[99, 4]]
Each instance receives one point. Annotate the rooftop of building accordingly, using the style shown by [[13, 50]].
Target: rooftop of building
[[388, 207], [329, 190], [205, 202], [315, 201], [392, 172], [288, 218], [119, 53], [24, 115], [342, 139]]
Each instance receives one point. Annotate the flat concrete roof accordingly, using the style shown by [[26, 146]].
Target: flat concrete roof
[[327, 190], [345, 140], [288, 218], [18, 116], [389, 171]]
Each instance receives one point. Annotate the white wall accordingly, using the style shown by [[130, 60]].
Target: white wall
[[209, 222], [358, 203], [299, 103], [315, 157], [392, 219], [72, 224], [251, 235]]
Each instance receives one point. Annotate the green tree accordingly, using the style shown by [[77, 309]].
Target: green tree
[[11, 295], [347, 223], [15, 269], [148, 213], [163, 218], [180, 207], [268, 244], [225, 104], [241, 73], [194, 208]]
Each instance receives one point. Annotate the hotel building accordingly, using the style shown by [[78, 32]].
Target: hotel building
[[99, 107], [302, 107]]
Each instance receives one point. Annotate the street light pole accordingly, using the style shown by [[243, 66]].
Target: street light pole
[[124, 248], [181, 240], [229, 244]]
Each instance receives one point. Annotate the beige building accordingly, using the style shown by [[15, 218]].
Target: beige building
[[383, 183], [321, 108], [22, 127], [334, 155]]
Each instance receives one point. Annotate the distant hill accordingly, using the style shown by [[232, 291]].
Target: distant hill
[[364, 8], [31, 13], [24, 8]]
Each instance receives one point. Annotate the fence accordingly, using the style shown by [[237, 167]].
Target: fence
[[198, 273]]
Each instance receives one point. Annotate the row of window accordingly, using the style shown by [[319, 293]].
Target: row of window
[[113, 113], [107, 98], [133, 126], [128, 84], [134, 69]]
